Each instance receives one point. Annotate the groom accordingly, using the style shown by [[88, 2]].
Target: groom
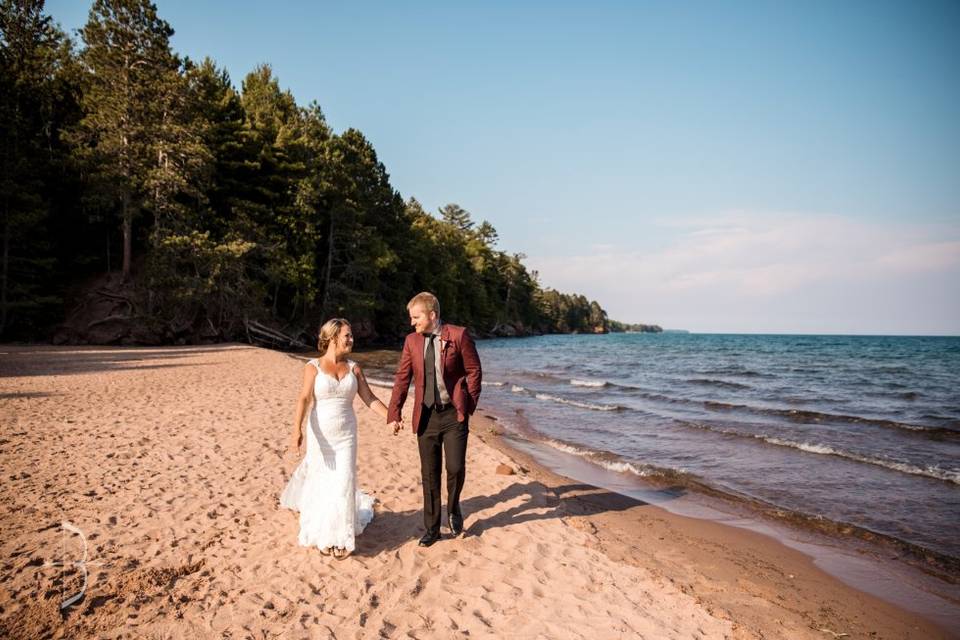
[[443, 362]]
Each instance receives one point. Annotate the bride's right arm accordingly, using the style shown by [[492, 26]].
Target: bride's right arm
[[303, 402]]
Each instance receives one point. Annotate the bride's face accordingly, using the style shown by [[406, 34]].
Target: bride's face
[[345, 340]]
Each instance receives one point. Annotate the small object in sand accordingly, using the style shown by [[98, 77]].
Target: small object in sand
[[505, 470]]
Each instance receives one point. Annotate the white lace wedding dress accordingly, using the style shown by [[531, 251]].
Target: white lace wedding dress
[[323, 488]]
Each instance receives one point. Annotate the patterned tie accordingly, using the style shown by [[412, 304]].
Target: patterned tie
[[431, 392]]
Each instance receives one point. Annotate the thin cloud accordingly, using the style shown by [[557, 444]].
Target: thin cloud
[[755, 262]]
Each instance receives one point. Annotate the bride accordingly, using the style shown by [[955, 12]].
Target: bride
[[323, 487]]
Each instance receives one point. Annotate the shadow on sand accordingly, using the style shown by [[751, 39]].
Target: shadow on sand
[[390, 530], [50, 361]]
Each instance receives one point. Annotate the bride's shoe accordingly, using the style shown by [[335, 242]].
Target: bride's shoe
[[340, 553], [326, 551]]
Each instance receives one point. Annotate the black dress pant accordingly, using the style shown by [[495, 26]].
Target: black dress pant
[[440, 435]]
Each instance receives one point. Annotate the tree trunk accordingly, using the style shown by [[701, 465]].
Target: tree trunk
[[156, 203], [6, 268], [125, 171], [127, 237], [296, 303], [326, 277]]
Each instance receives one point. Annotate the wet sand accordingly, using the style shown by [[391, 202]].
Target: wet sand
[[167, 464]]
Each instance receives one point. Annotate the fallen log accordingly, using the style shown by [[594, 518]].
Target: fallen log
[[258, 333]]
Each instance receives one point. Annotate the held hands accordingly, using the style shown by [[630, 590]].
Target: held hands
[[397, 426]]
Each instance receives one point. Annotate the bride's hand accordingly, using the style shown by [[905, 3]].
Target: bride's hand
[[295, 443]]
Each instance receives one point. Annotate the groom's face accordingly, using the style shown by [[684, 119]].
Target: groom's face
[[421, 320]]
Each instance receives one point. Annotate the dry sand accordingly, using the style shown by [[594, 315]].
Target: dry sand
[[169, 463]]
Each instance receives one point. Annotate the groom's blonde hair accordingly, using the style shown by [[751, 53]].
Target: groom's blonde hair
[[427, 299], [328, 331]]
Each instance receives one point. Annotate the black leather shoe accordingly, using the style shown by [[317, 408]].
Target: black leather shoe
[[456, 524], [428, 539]]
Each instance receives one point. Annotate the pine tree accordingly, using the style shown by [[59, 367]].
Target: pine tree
[[457, 216], [218, 117], [127, 104], [272, 124], [364, 230]]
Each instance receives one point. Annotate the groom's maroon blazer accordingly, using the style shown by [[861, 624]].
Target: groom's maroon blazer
[[461, 373]]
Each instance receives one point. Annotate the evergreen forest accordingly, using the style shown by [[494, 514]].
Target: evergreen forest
[[147, 199]]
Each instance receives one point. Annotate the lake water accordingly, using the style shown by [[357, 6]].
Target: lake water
[[838, 430]]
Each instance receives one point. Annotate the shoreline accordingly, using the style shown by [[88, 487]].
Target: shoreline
[[833, 573], [895, 586], [170, 460]]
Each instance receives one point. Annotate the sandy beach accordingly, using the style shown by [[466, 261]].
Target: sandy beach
[[157, 471]]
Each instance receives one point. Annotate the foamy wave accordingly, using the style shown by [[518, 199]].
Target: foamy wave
[[573, 403], [377, 382], [492, 383], [932, 471], [622, 467], [577, 403], [566, 448], [588, 383], [822, 449], [611, 465]]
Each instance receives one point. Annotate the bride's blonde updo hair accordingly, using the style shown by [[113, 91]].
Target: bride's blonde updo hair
[[329, 331]]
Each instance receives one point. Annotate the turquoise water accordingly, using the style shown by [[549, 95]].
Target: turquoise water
[[860, 430]]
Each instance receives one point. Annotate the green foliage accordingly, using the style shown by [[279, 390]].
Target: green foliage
[[36, 100], [200, 282], [565, 313], [232, 205], [621, 327]]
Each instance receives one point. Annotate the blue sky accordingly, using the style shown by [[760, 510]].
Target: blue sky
[[737, 166]]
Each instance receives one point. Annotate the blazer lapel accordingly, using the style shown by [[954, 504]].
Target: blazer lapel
[[418, 357], [444, 336]]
